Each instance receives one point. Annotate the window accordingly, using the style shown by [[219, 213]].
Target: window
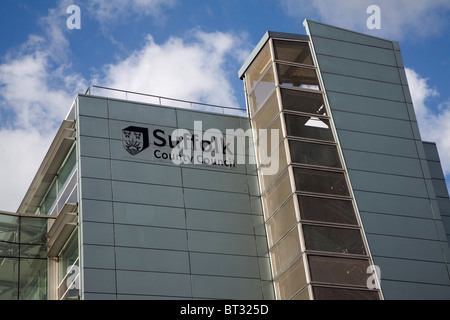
[[324, 182], [297, 77], [332, 239], [329, 293], [314, 154], [281, 222], [326, 210], [308, 127], [291, 281], [262, 90], [266, 114], [285, 252], [303, 101], [277, 193], [336, 270], [63, 187], [257, 68], [293, 51]]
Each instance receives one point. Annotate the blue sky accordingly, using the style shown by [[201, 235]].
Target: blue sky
[[185, 49]]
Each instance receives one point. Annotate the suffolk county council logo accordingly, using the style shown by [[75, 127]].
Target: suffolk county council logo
[[135, 139]]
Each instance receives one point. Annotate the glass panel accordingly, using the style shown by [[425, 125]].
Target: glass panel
[[9, 278], [308, 127], [269, 141], [258, 66], [33, 230], [338, 270], [33, 279], [9, 228], [327, 210], [297, 77], [68, 255], [66, 169], [302, 101], [332, 239], [323, 293], [9, 249], [277, 193], [293, 51], [268, 172], [285, 252], [303, 295], [320, 181], [291, 281], [266, 115], [49, 199], [261, 92], [67, 192], [280, 223], [314, 154]]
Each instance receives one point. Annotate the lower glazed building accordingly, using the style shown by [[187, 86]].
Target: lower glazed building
[[323, 190]]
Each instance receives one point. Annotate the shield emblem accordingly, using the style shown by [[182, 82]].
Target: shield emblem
[[135, 139]]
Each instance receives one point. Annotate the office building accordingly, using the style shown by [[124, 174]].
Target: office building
[[322, 189]]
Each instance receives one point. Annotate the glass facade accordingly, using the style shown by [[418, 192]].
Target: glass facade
[[23, 260], [316, 245], [63, 188]]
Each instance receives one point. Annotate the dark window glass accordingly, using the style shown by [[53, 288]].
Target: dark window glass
[[336, 270], [332, 239], [308, 127], [33, 279], [293, 51], [327, 210], [303, 101], [297, 77], [314, 154], [324, 293], [9, 276], [320, 181]]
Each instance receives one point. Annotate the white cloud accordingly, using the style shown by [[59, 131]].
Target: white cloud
[[434, 126], [189, 69], [38, 86], [112, 11], [398, 18], [37, 89]]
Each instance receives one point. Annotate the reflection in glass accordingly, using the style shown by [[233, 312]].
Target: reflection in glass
[[320, 181], [297, 77], [33, 279], [261, 91], [326, 210], [257, 68], [314, 154], [266, 114], [293, 51], [338, 270], [332, 239], [308, 127], [303, 101], [9, 278]]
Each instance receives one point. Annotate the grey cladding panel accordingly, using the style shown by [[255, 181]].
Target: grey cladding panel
[[371, 124], [358, 69], [363, 87], [368, 105], [325, 31], [354, 51], [377, 144]]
